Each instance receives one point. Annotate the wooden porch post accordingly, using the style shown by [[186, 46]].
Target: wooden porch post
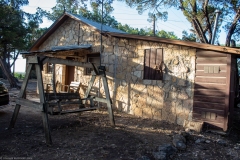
[[21, 95], [44, 105], [107, 94]]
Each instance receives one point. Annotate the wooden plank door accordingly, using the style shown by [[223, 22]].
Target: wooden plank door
[[212, 88], [70, 70]]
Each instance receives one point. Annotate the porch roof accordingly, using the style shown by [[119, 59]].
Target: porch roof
[[56, 49]]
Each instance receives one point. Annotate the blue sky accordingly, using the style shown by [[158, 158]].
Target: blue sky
[[176, 21]]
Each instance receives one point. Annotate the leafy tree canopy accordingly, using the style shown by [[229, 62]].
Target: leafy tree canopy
[[200, 13], [95, 14], [17, 33], [80, 7]]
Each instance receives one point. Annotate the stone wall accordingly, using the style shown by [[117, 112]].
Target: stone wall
[[170, 99]]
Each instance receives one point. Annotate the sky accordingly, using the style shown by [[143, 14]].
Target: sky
[[176, 21]]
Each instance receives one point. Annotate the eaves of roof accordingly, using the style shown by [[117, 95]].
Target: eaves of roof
[[178, 42], [56, 49], [117, 33]]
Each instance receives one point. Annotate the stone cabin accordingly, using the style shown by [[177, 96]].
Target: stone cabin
[[149, 77]]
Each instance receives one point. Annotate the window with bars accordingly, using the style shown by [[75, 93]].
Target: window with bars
[[95, 59], [153, 64]]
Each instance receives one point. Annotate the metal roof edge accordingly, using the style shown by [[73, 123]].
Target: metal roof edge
[[60, 48], [178, 42]]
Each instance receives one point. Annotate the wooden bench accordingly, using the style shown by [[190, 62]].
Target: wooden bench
[[59, 99], [73, 87]]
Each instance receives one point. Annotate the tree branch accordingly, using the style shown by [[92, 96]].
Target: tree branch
[[208, 24], [197, 25], [14, 59], [232, 27]]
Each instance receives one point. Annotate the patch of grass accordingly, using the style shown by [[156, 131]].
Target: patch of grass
[[19, 75]]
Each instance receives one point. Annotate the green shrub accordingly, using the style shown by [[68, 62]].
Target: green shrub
[[19, 75]]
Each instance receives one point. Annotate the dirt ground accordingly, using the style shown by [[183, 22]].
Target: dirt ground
[[89, 136]]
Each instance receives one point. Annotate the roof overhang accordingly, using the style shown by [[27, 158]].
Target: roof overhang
[[66, 15], [203, 46], [60, 49]]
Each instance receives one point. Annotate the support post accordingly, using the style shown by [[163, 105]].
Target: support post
[[21, 95], [54, 79], [107, 94], [89, 86], [44, 106]]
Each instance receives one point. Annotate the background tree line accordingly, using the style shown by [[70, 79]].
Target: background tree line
[[19, 30]]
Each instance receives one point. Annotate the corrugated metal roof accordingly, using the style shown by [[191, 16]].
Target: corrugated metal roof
[[62, 48], [71, 47], [97, 25]]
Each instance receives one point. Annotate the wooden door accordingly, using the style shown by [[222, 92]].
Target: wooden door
[[70, 70], [212, 88]]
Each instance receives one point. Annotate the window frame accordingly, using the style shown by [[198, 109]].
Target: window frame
[[96, 56], [49, 68], [153, 64]]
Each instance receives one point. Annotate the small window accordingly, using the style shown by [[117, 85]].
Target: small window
[[209, 115], [95, 59], [211, 69], [49, 68], [153, 64]]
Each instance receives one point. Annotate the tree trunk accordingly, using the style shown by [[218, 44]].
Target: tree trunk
[[12, 81], [232, 27]]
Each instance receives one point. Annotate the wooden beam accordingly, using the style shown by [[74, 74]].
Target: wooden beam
[[54, 79], [217, 80], [210, 99], [217, 111], [53, 96], [26, 102], [44, 106], [209, 92], [95, 70], [204, 53], [67, 62], [90, 84], [103, 100], [21, 95], [78, 110], [108, 99], [211, 60], [32, 59]]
